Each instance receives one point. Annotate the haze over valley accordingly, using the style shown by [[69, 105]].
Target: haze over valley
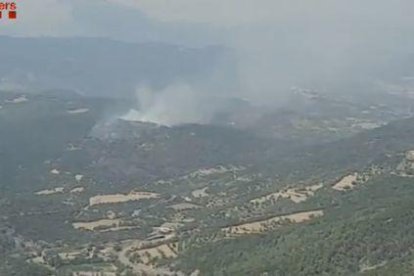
[[207, 138]]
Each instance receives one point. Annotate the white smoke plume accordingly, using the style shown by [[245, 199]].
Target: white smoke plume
[[176, 104]]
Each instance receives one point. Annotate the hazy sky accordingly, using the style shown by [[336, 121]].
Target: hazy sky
[[95, 17], [279, 42]]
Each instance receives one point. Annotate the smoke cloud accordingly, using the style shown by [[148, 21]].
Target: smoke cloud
[[176, 104]]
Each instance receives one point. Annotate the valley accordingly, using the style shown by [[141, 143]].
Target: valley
[[133, 198]]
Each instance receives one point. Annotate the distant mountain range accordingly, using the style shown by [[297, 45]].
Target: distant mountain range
[[102, 67]]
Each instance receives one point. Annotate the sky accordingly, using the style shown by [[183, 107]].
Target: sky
[[287, 37], [117, 17]]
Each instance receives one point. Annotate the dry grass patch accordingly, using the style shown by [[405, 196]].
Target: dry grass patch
[[20, 99], [77, 190], [184, 206], [200, 192], [50, 191], [78, 111], [268, 224], [296, 195], [367, 267], [93, 273], [163, 251], [92, 225], [55, 171], [69, 256], [214, 171], [346, 183], [120, 198], [118, 228]]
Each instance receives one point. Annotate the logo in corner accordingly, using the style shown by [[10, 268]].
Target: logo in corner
[[8, 9]]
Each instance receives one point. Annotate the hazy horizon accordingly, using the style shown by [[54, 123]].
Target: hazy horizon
[[328, 46]]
